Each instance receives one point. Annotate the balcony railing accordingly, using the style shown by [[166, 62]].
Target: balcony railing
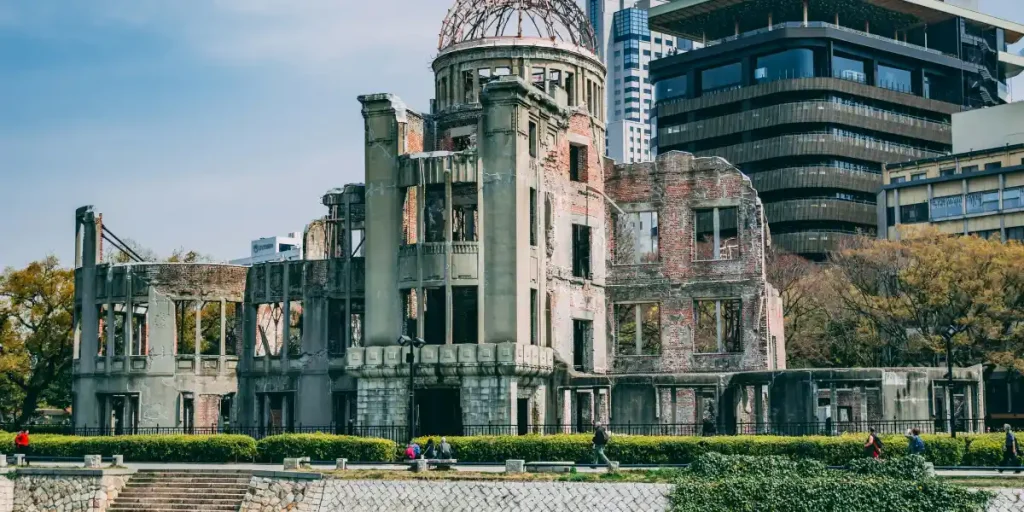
[[821, 24]]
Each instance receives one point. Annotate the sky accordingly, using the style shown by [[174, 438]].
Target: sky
[[200, 124]]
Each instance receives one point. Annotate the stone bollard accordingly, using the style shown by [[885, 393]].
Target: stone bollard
[[3, 461], [929, 469], [515, 466], [93, 461], [19, 459], [342, 464], [118, 461], [420, 466], [613, 466], [292, 464]]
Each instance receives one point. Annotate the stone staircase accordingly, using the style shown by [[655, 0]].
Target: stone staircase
[[183, 491]]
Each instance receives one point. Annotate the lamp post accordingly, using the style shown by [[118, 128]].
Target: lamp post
[[406, 341], [950, 332]]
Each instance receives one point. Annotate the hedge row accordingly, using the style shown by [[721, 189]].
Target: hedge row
[[726, 483], [833, 451], [217, 448]]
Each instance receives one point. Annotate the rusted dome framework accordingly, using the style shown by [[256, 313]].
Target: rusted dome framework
[[558, 20]]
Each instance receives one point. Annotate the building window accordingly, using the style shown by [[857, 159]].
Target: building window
[[981, 202], [795, 63], [533, 316], [895, 79], [969, 168], [898, 179], [914, 213], [577, 163], [918, 176], [582, 341], [993, 165], [947, 172], [948, 206], [848, 69], [716, 234], [533, 139], [637, 240], [1016, 234], [1013, 198], [717, 326], [581, 251], [721, 78], [988, 234], [638, 329], [533, 217]]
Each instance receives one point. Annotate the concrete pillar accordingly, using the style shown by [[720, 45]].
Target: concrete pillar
[[223, 327], [109, 327], [805, 13], [385, 117], [196, 349], [833, 404], [601, 406], [129, 317], [567, 419], [286, 317]]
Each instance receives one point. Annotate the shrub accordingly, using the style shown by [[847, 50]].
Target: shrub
[[150, 448], [912, 467], [716, 465], [828, 493], [325, 447], [832, 451]]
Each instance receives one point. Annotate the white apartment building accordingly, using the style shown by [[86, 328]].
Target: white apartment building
[[274, 248], [627, 46]]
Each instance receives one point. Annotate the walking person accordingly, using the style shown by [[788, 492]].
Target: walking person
[[22, 445], [1011, 450], [873, 447], [600, 440], [916, 444]]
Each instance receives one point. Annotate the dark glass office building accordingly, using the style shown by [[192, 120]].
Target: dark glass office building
[[810, 97]]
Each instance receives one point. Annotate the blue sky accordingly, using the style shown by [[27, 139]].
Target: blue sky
[[199, 123]]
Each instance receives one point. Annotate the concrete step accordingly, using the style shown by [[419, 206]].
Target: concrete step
[[180, 494], [189, 481], [219, 472], [189, 501], [165, 508]]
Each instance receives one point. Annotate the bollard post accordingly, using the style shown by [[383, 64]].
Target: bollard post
[[118, 461], [342, 464], [93, 461], [513, 466]]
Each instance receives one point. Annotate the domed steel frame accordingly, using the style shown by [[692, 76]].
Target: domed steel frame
[[558, 20]]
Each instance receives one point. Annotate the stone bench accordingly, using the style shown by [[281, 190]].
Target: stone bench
[[419, 465], [550, 467]]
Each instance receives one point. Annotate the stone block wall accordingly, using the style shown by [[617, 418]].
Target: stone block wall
[[38, 493], [489, 400], [382, 401]]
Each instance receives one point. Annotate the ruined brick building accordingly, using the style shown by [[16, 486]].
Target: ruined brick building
[[552, 288]]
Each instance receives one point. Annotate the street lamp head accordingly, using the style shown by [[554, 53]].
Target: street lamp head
[[404, 340], [418, 342], [951, 330]]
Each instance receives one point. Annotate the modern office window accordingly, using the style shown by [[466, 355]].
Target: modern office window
[[948, 206], [897, 179], [918, 176], [914, 213], [894, 78], [724, 77], [657, 40], [848, 69], [947, 172], [1013, 198], [981, 202], [993, 165], [1016, 233], [671, 87], [795, 63], [969, 168]]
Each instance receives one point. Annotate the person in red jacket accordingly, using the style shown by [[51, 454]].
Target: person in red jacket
[[21, 444]]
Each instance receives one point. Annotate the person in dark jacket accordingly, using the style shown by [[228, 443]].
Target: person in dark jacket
[[430, 451], [1011, 450], [873, 446], [600, 440]]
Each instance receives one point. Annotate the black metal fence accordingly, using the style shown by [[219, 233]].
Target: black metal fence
[[398, 433]]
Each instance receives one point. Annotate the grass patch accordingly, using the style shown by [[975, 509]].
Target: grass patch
[[649, 476], [986, 482]]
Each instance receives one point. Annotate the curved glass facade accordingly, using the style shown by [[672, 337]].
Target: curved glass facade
[[671, 88], [795, 63], [721, 78]]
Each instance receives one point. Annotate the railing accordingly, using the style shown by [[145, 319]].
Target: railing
[[398, 433], [820, 24]]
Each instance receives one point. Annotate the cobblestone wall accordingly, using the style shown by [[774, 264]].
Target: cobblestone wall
[[274, 494], [34, 493], [1007, 500]]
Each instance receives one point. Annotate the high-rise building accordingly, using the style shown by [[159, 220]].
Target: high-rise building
[[810, 98], [627, 46]]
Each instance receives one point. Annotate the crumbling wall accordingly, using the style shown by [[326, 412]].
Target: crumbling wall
[[676, 186]]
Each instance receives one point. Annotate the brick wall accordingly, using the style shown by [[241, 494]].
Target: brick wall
[[207, 411]]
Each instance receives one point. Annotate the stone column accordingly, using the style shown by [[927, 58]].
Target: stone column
[[601, 406]]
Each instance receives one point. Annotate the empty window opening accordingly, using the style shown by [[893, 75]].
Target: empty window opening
[[463, 143], [578, 163], [295, 328], [233, 326], [188, 412], [335, 327], [410, 312], [140, 330], [185, 320], [533, 139], [468, 91], [548, 341], [484, 77], [533, 317], [716, 234], [343, 412], [410, 217], [433, 214], [224, 418], [435, 313], [119, 330], [533, 217], [464, 314], [581, 251], [357, 313], [638, 329], [356, 240], [101, 336], [570, 88], [582, 341], [269, 329], [465, 216], [717, 326], [502, 71], [537, 78], [209, 325], [637, 240]]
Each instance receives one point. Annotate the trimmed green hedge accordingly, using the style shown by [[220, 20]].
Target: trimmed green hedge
[[326, 447], [911, 467], [716, 465], [984, 449], [833, 451], [152, 448]]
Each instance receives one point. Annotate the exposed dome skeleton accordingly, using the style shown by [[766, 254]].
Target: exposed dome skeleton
[[557, 20]]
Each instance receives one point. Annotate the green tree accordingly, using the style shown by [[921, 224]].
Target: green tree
[[36, 308]]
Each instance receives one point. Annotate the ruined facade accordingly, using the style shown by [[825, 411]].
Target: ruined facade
[[552, 289]]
